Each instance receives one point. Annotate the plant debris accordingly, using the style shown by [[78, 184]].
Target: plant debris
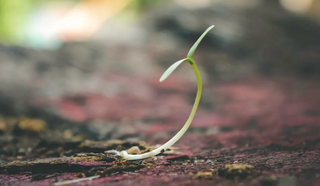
[[235, 171], [203, 175], [35, 125]]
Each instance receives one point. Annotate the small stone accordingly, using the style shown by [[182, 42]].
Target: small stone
[[134, 150]]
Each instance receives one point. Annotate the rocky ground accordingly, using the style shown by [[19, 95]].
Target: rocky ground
[[258, 133]]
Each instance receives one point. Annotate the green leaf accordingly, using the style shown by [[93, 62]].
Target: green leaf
[[167, 73], [195, 45]]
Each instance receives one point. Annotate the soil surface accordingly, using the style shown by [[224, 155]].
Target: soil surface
[[259, 132]]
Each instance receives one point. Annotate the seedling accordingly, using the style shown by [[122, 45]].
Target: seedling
[[166, 74]]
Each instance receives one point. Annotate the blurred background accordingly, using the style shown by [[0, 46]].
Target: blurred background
[[89, 69]]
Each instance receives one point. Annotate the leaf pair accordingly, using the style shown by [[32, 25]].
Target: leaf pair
[[189, 58]]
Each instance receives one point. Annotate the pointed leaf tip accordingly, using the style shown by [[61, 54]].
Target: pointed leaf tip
[[167, 73], [195, 45]]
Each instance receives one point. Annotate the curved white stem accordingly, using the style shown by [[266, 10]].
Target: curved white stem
[[173, 140]]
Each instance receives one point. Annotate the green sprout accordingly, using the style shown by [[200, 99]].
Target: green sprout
[[165, 75]]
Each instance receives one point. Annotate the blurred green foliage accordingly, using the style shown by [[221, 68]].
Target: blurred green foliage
[[14, 15]]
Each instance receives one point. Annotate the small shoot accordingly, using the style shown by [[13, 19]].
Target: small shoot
[[166, 74]]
